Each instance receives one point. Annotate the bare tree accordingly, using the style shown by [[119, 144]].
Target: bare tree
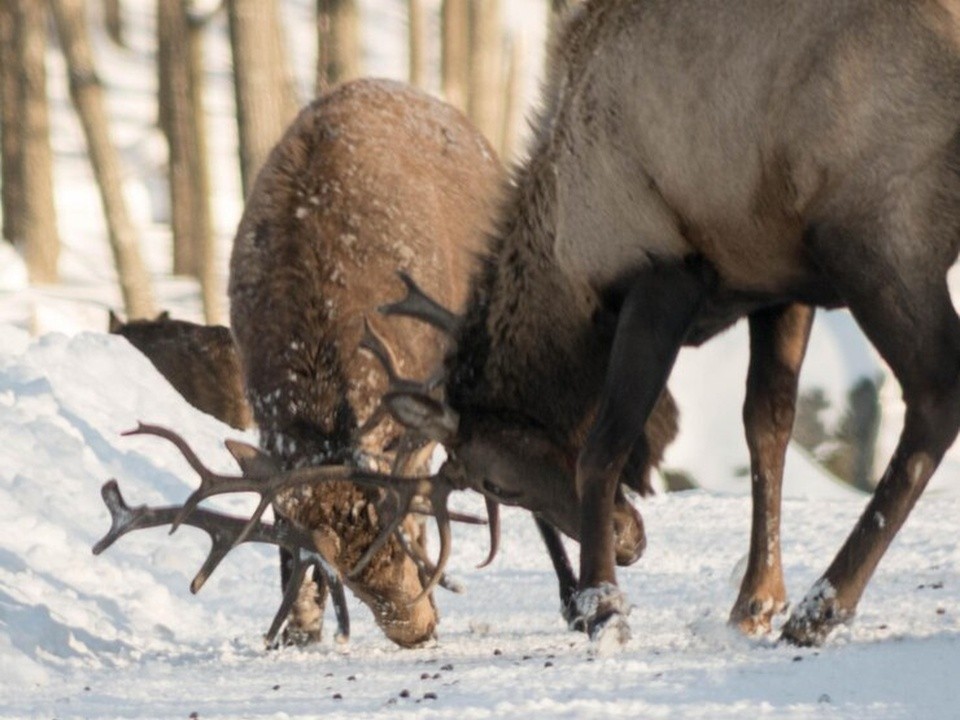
[[180, 69], [512, 99], [11, 185], [113, 21], [485, 101], [455, 52], [33, 218], [338, 43], [211, 292], [87, 96], [264, 91], [417, 33]]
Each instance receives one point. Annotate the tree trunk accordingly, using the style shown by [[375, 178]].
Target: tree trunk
[[485, 103], [37, 224], [455, 52], [113, 20], [177, 121], [87, 96], [338, 43], [11, 182], [265, 97], [417, 33], [513, 108], [211, 292]]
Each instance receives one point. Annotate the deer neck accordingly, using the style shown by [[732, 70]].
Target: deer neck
[[533, 343]]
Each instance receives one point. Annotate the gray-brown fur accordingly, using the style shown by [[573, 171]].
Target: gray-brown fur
[[373, 178], [200, 361], [695, 163]]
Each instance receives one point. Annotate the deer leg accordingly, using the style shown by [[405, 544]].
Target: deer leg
[[778, 342], [561, 566], [305, 624], [904, 308], [653, 321]]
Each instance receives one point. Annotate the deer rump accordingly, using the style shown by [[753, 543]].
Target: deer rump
[[696, 163]]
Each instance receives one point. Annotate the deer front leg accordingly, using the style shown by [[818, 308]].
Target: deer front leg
[[652, 323], [778, 342]]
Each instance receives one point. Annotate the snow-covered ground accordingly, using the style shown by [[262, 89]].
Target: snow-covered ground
[[119, 635]]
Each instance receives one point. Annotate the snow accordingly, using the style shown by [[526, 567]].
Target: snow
[[119, 635]]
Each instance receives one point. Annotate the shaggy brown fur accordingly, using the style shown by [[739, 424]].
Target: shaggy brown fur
[[695, 163], [200, 361], [373, 178]]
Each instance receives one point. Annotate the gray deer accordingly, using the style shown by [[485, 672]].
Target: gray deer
[[697, 162]]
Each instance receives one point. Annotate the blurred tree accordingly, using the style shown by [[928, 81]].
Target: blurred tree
[[180, 70], [266, 99], [455, 51], [11, 186], [30, 219], [485, 98], [338, 43], [513, 107], [87, 96], [852, 456], [417, 33], [113, 21]]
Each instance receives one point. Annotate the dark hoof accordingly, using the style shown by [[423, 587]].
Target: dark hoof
[[602, 613], [815, 617], [572, 616]]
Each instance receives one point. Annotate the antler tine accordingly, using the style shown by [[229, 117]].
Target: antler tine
[[425, 565], [443, 529], [211, 483], [123, 518], [493, 515], [224, 530], [404, 497], [417, 304], [439, 494], [396, 516], [373, 342], [266, 483]]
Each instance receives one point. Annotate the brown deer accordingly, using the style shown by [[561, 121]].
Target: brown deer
[[372, 177], [696, 163], [200, 361]]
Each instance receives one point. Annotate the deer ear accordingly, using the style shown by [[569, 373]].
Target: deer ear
[[423, 414], [114, 323], [163, 316], [252, 461]]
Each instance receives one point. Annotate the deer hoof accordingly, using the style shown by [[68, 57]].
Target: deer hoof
[[755, 617], [610, 633], [602, 612], [815, 617]]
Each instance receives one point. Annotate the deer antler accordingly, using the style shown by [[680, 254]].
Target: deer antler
[[426, 495], [417, 304], [225, 533], [440, 423]]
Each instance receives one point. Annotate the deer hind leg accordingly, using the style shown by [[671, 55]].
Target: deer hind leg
[[903, 305], [778, 342], [654, 318], [566, 579]]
